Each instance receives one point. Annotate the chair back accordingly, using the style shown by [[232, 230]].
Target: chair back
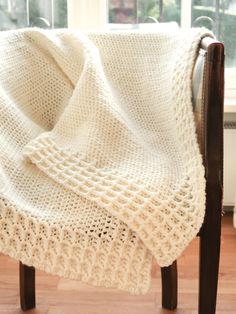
[[208, 107]]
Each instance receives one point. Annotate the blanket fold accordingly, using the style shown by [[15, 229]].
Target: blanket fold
[[100, 167]]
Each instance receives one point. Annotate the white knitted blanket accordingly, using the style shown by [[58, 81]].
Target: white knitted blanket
[[99, 163]]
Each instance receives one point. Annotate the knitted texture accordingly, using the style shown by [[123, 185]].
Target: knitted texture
[[99, 163]]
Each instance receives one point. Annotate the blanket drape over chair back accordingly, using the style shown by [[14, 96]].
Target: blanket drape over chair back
[[99, 162]]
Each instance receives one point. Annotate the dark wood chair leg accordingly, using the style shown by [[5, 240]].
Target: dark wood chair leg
[[169, 286], [27, 287], [209, 265], [209, 257]]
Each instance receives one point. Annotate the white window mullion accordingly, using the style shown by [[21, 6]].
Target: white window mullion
[[87, 14], [186, 13], [52, 14], [27, 13]]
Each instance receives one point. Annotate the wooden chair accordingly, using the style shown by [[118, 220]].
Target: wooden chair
[[208, 93]]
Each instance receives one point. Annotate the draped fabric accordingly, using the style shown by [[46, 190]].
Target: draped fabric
[[100, 170]]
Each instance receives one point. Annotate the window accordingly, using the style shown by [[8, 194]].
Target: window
[[143, 11], [24, 13]]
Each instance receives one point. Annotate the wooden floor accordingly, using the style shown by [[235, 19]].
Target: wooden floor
[[61, 296]]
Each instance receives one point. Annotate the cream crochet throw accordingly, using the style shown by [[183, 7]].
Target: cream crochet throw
[[99, 162]]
